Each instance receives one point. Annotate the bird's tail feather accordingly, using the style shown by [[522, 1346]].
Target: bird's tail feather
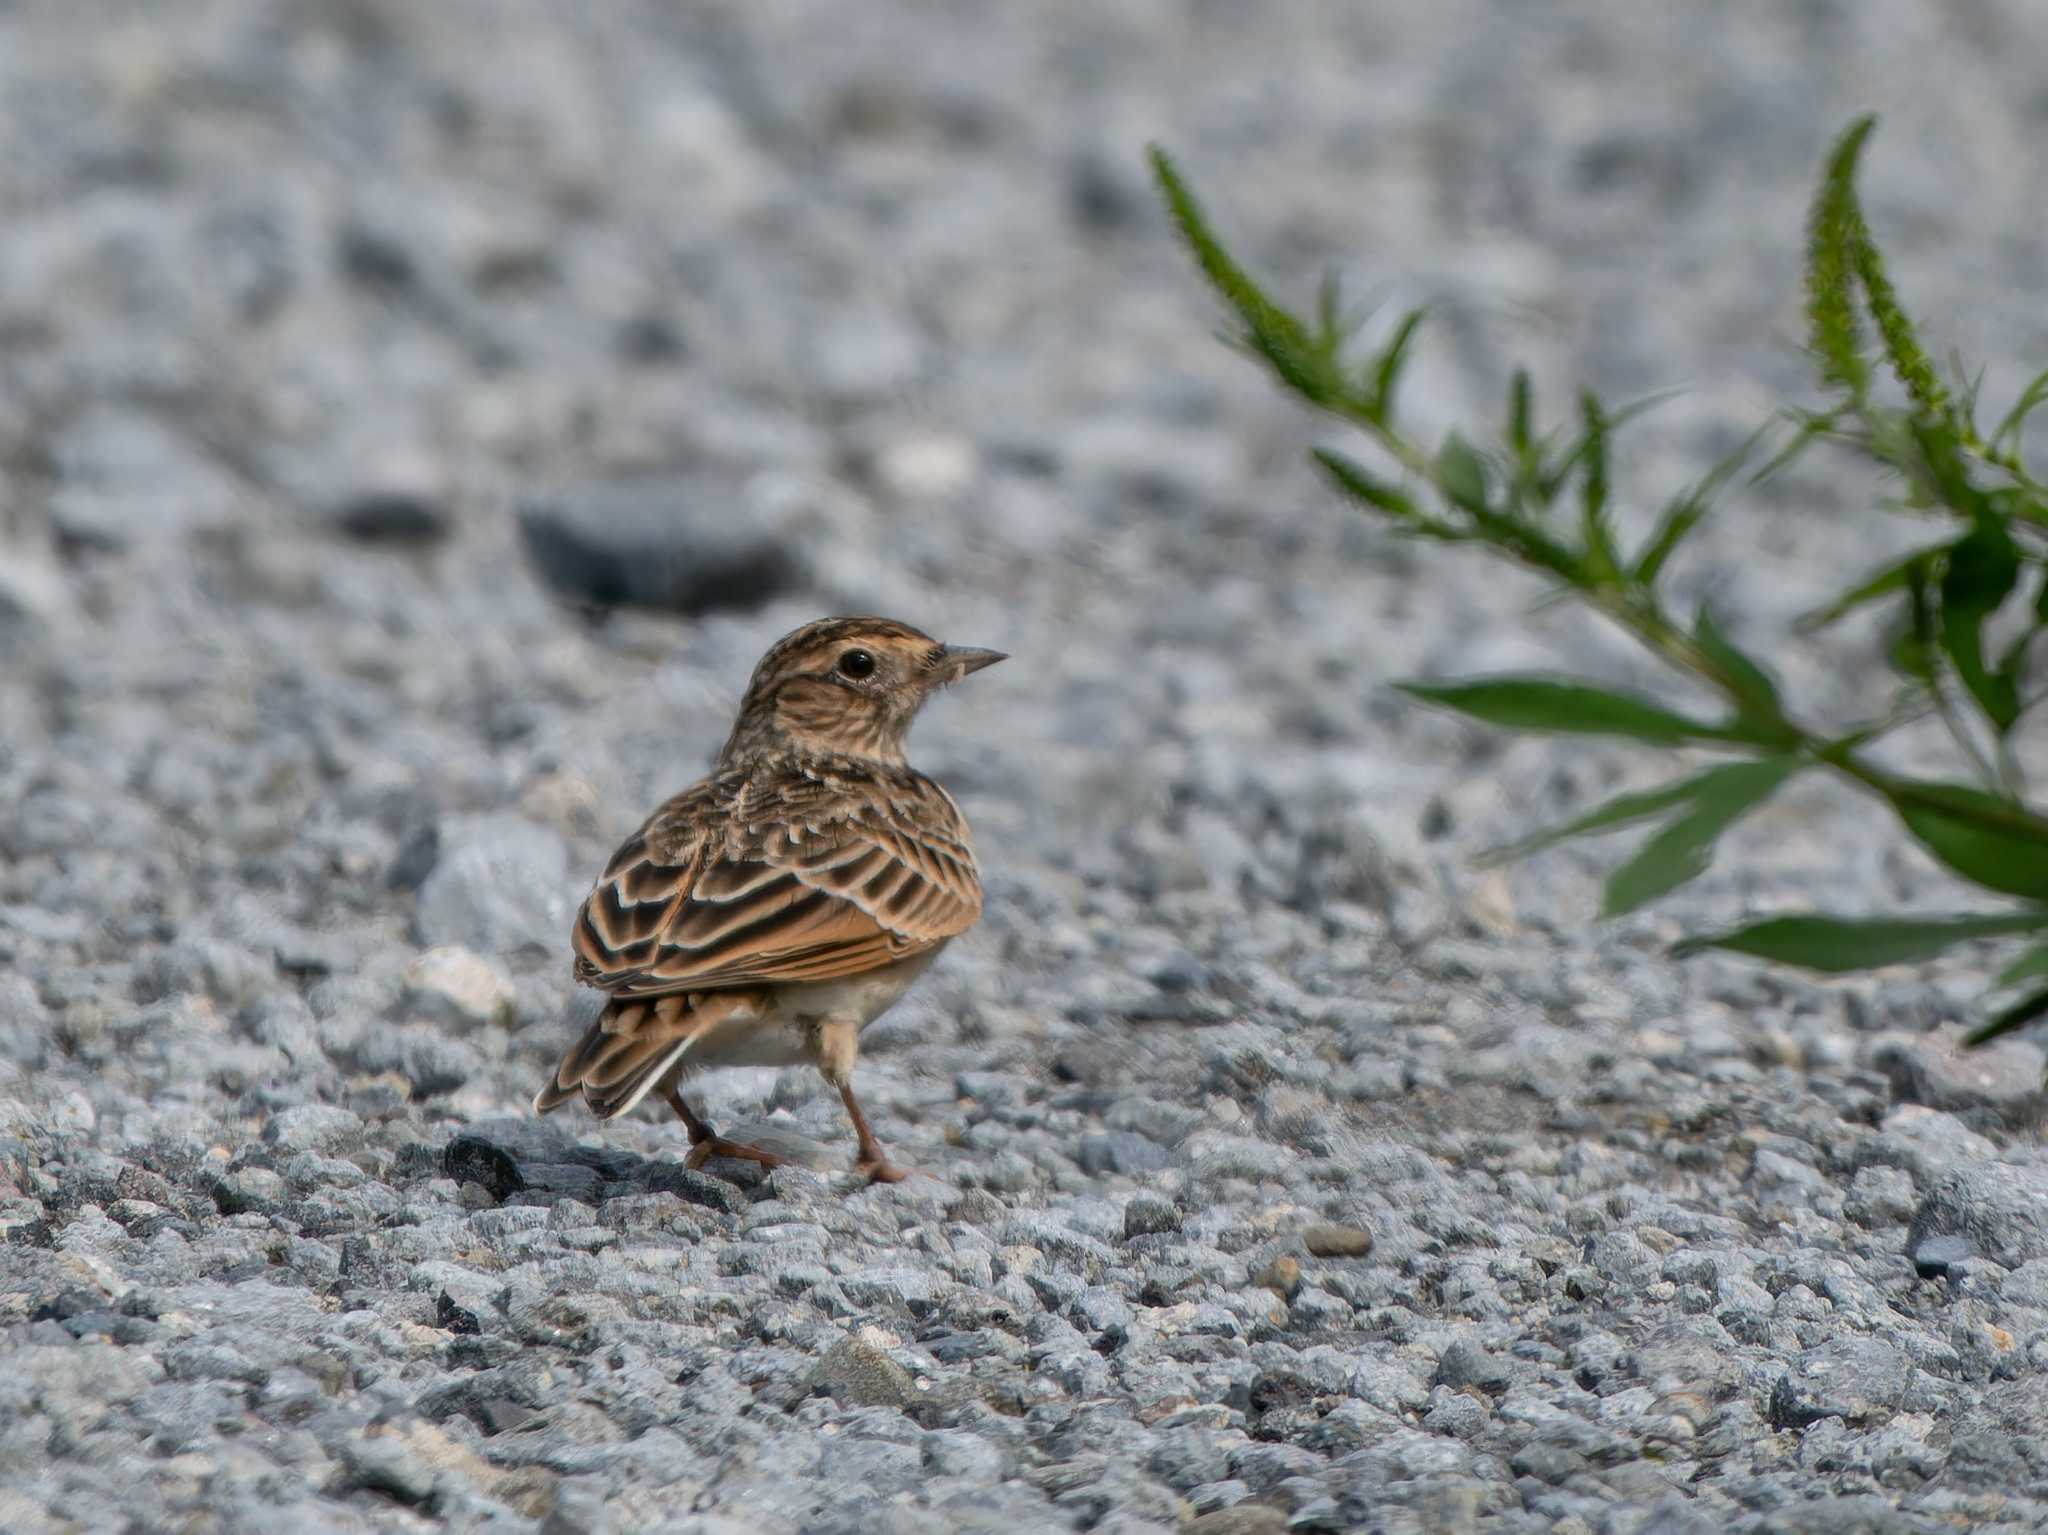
[[631, 1046]]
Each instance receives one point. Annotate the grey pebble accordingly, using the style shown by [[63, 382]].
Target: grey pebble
[[499, 883], [670, 543], [858, 1374], [1998, 1210]]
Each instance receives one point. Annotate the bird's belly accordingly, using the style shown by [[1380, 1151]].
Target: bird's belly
[[787, 1034]]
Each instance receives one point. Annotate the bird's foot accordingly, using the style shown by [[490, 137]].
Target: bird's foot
[[718, 1146], [879, 1169]]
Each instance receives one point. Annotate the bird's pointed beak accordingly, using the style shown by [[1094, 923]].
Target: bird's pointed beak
[[963, 659]]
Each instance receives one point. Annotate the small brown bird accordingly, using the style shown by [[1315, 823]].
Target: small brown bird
[[769, 912]]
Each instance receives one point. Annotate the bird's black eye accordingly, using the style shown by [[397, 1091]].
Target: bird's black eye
[[857, 664]]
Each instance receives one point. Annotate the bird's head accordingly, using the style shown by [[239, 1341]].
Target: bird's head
[[848, 685]]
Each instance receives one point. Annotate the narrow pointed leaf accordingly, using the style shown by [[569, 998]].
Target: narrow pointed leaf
[[1680, 517], [1330, 328], [1969, 389], [1758, 689], [1603, 562], [2029, 401], [1991, 841], [1462, 474], [1813, 425], [1552, 478], [1913, 652], [1623, 810], [1685, 510], [1684, 848], [1893, 578], [2029, 966], [1386, 375], [1521, 431], [1572, 708], [1983, 567], [1359, 482], [1837, 945], [2018, 1016], [1945, 464]]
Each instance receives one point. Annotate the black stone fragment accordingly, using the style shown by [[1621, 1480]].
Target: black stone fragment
[[472, 1159], [454, 1318], [392, 517]]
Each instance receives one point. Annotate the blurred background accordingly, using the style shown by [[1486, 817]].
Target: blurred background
[[415, 420]]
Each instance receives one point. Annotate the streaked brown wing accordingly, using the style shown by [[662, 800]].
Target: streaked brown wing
[[803, 879]]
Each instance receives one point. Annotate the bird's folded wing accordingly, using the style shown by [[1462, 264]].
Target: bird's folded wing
[[796, 882]]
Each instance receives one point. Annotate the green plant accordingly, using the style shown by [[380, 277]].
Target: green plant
[[1542, 500]]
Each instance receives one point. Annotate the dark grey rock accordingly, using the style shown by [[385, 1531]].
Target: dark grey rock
[[393, 516], [858, 1374], [1998, 1211], [1936, 1253], [1881, 1196], [314, 1127], [2002, 1081], [1122, 1151], [1463, 1365], [685, 545], [474, 1159], [1146, 1216], [977, 1207], [1859, 1380]]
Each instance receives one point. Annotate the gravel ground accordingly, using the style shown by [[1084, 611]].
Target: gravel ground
[[414, 420]]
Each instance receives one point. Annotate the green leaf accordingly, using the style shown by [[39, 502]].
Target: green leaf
[[2018, 1016], [1758, 690], [1623, 810], [1386, 372], [1521, 432], [2029, 401], [1943, 467], [1834, 229], [1462, 474], [1913, 651], [1271, 331], [1602, 560], [1837, 945], [1331, 331], [1684, 849], [1360, 483], [1812, 425], [1681, 516], [1552, 477], [1990, 841], [1572, 708], [2030, 965], [1969, 390], [1982, 569], [1893, 578], [1685, 510]]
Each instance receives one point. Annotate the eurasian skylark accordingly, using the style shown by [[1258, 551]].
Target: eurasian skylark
[[769, 912]]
